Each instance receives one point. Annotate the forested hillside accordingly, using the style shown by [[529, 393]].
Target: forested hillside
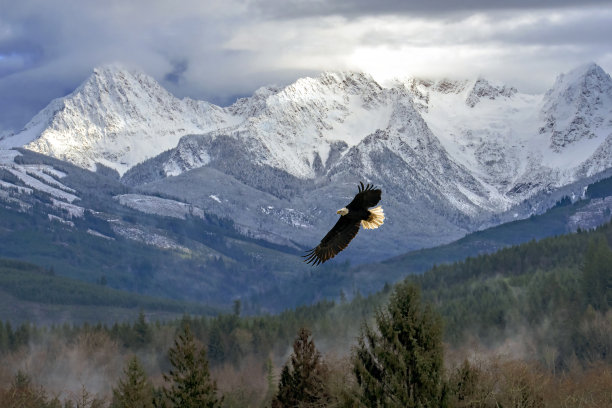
[[32, 293]]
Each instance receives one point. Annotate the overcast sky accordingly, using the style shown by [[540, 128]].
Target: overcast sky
[[218, 50]]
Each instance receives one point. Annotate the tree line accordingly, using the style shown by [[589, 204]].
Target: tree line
[[558, 290], [398, 362]]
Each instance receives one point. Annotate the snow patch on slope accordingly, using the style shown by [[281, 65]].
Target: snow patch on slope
[[159, 206], [59, 191], [139, 234]]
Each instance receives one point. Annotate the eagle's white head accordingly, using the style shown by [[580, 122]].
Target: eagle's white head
[[342, 211]]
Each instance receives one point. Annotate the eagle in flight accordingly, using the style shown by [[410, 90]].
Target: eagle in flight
[[356, 213]]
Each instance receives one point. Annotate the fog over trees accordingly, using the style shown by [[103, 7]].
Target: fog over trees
[[530, 325]]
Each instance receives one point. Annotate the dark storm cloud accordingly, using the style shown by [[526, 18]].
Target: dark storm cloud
[[18, 55], [178, 70], [357, 8]]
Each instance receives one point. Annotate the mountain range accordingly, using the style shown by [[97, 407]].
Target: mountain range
[[452, 156]]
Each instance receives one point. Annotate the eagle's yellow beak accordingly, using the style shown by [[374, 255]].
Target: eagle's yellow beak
[[342, 211]]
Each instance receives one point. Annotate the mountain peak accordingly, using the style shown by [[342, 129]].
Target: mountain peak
[[585, 77], [577, 105], [118, 117], [252, 105], [122, 81], [483, 89], [351, 82], [114, 73], [342, 77], [112, 68], [589, 70]]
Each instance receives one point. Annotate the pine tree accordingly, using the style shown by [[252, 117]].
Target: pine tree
[[10, 335], [4, 339], [597, 275], [270, 380], [190, 382], [23, 394], [400, 363], [135, 390], [303, 378], [85, 400], [142, 331]]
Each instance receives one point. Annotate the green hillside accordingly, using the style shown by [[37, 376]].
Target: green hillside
[[553, 222], [195, 259], [32, 293]]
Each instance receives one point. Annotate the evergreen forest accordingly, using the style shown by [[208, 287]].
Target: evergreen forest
[[527, 326]]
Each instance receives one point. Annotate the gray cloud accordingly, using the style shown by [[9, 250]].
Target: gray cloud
[[592, 29], [47, 47], [359, 8], [220, 49], [178, 70]]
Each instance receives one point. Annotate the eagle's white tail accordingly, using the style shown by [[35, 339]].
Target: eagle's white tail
[[377, 218]]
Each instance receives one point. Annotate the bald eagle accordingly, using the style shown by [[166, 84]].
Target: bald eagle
[[354, 214]]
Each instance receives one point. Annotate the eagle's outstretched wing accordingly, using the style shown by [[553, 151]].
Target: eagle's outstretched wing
[[367, 197], [335, 241]]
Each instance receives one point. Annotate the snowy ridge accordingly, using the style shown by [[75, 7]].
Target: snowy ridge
[[53, 189], [120, 118], [294, 129], [34, 128]]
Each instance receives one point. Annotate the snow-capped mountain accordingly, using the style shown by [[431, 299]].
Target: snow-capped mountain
[[512, 141], [578, 107], [118, 118], [450, 155], [297, 129]]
